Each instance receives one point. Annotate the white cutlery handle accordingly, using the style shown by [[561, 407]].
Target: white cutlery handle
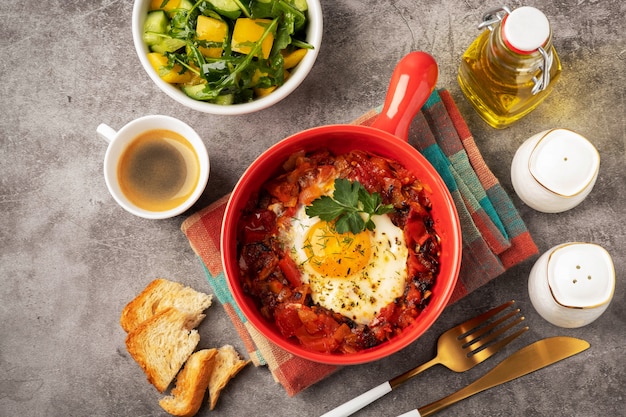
[[412, 413], [359, 402]]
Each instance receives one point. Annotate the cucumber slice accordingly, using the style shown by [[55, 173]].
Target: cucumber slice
[[225, 99], [301, 5], [227, 8], [185, 4], [156, 22], [197, 92], [168, 45]]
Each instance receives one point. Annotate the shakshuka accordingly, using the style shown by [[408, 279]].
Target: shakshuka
[[338, 292]]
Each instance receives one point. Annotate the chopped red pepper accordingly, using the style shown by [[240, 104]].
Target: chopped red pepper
[[290, 270]]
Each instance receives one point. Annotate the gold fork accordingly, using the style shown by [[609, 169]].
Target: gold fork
[[459, 349]]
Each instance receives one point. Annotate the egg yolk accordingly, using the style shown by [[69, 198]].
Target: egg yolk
[[336, 254]]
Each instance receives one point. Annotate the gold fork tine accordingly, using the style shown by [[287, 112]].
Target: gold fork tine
[[472, 324], [488, 351], [486, 333]]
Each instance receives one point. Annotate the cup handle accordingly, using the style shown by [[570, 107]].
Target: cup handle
[[106, 132]]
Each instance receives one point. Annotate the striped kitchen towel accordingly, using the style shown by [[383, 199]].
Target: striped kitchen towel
[[495, 237]]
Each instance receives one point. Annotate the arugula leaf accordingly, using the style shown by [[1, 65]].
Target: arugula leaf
[[243, 8], [350, 201]]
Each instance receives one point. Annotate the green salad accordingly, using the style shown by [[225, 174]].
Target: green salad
[[226, 51]]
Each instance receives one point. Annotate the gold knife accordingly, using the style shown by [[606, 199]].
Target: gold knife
[[526, 360]]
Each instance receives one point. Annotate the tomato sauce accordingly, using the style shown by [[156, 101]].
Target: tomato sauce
[[272, 278]]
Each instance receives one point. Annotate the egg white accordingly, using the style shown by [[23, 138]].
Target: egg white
[[360, 295]]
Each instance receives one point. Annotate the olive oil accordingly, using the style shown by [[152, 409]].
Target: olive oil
[[501, 80]]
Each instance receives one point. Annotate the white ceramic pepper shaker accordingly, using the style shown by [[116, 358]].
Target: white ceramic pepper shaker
[[572, 284], [553, 171]]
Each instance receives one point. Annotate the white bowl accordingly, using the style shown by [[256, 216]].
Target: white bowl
[[314, 38]]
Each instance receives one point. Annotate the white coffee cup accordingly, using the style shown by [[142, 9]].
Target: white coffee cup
[[119, 142]]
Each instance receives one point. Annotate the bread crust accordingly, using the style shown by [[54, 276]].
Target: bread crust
[[227, 365], [191, 385], [159, 295], [161, 344]]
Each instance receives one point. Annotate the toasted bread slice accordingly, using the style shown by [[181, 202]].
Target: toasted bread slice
[[191, 385], [161, 344], [227, 365], [159, 295]]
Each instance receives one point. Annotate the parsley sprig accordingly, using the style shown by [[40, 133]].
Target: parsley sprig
[[349, 201]]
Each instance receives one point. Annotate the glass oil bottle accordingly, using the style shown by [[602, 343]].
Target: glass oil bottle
[[511, 67]]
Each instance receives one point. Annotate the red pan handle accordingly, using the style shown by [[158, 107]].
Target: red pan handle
[[412, 82]]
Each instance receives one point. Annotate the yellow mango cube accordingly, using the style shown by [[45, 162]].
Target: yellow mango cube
[[249, 31], [194, 77], [262, 92], [293, 58], [171, 5], [256, 77], [213, 30], [173, 76]]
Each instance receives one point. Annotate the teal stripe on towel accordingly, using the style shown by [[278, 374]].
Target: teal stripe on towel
[[223, 294], [438, 160]]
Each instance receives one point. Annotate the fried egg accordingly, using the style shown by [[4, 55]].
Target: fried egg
[[355, 275]]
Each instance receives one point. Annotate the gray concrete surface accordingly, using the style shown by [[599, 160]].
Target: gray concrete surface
[[70, 258]]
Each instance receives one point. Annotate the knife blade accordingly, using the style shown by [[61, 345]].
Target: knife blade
[[535, 356]]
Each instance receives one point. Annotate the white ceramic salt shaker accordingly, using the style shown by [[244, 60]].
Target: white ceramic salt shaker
[[572, 284], [553, 171]]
